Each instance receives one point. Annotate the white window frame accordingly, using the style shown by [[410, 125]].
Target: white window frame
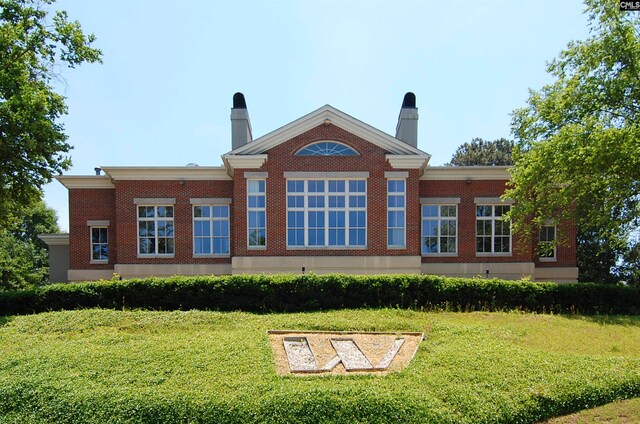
[[210, 220], [554, 257], [403, 209], [155, 220], [438, 219], [326, 209], [92, 244], [257, 209], [493, 219]]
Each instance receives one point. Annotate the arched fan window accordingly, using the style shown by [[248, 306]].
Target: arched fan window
[[326, 148]]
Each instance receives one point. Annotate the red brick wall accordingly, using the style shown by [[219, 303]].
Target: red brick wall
[[84, 205], [467, 191], [371, 159], [183, 192]]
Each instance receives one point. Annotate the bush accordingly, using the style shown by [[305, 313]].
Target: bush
[[293, 293]]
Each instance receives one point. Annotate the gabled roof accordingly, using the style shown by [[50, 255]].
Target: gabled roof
[[327, 114]]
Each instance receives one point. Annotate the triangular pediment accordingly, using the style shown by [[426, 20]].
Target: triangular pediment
[[327, 114]]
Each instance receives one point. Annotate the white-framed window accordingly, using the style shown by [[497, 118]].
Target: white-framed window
[[256, 213], [493, 231], [547, 243], [211, 230], [99, 244], [326, 148], [396, 213], [155, 230], [439, 229], [326, 213]]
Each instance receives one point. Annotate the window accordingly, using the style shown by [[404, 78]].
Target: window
[[326, 148], [439, 229], [493, 232], [396, 221], [547, 246], [99, 244], [155, 230], [211, 230], [256, 213], [326, 213]]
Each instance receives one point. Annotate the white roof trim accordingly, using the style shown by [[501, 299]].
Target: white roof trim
[[177, 173], [466, 173], [55, 239], [85, 181], [243, 162], [408, 161], [327, 114]]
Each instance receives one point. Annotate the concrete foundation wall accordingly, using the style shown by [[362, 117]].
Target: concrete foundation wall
[[507, 271], [327, 264], [168, 270], [559, 275]]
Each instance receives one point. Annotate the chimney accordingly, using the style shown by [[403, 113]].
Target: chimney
[[407, 128], [240, 123]]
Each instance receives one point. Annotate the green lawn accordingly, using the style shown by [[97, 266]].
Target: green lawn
[[145, 366]]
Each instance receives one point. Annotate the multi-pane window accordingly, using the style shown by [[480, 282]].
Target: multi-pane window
[[256, 213], [99, 244], [396, 218], [547, 245], [155, 230], [439, 229], [211, 230], [326, 213], [326, 148], [493, 231]]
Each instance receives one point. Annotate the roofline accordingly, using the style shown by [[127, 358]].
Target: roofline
[[55, 239], [167, 173], [85, 181], [499, 173], [327, 114]]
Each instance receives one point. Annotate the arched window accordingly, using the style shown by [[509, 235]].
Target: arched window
[[326, 148]]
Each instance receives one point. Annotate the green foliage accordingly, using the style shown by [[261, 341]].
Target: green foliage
[[24, 259], [96, 366], [483, 153], [32, 140], [578, 148], [290, 293]]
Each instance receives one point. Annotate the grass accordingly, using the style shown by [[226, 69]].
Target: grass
[[621, 412], [195, 366]]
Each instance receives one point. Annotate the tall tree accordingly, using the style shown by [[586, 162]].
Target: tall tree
[[32, 139], [24, 259], [483, 153], [578, 139]]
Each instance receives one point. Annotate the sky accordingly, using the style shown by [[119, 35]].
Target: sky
[[163, 95]]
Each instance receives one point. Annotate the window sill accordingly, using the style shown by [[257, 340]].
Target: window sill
[[326, 247], [548, 259], [257, 247], [396, 247], [156, 256], [493, 255], [224, 255], [99, 262], [439, 255]]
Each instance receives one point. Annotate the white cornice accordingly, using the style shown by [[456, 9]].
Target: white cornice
[[55, 239], [175, 173], [470, 173], [233, 161], [329, 115], [408, 161], [85, 181]]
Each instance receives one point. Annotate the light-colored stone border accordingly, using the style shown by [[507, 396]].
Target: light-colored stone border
[[375, 346]]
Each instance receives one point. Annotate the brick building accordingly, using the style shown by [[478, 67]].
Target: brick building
[[324, 193]]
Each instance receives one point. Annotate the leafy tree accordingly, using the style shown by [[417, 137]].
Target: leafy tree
[[24, 259], [32, 139], [483, 153], [578, 139]]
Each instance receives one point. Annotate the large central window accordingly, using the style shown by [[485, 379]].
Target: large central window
[[155, 230], [326, 213]]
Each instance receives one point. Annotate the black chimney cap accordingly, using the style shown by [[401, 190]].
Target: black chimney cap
[[238, 101], [409, 101]]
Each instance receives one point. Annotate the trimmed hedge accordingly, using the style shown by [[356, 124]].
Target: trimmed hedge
[[293, 293]]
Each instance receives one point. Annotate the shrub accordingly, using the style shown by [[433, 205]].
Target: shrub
[[292, 293]]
